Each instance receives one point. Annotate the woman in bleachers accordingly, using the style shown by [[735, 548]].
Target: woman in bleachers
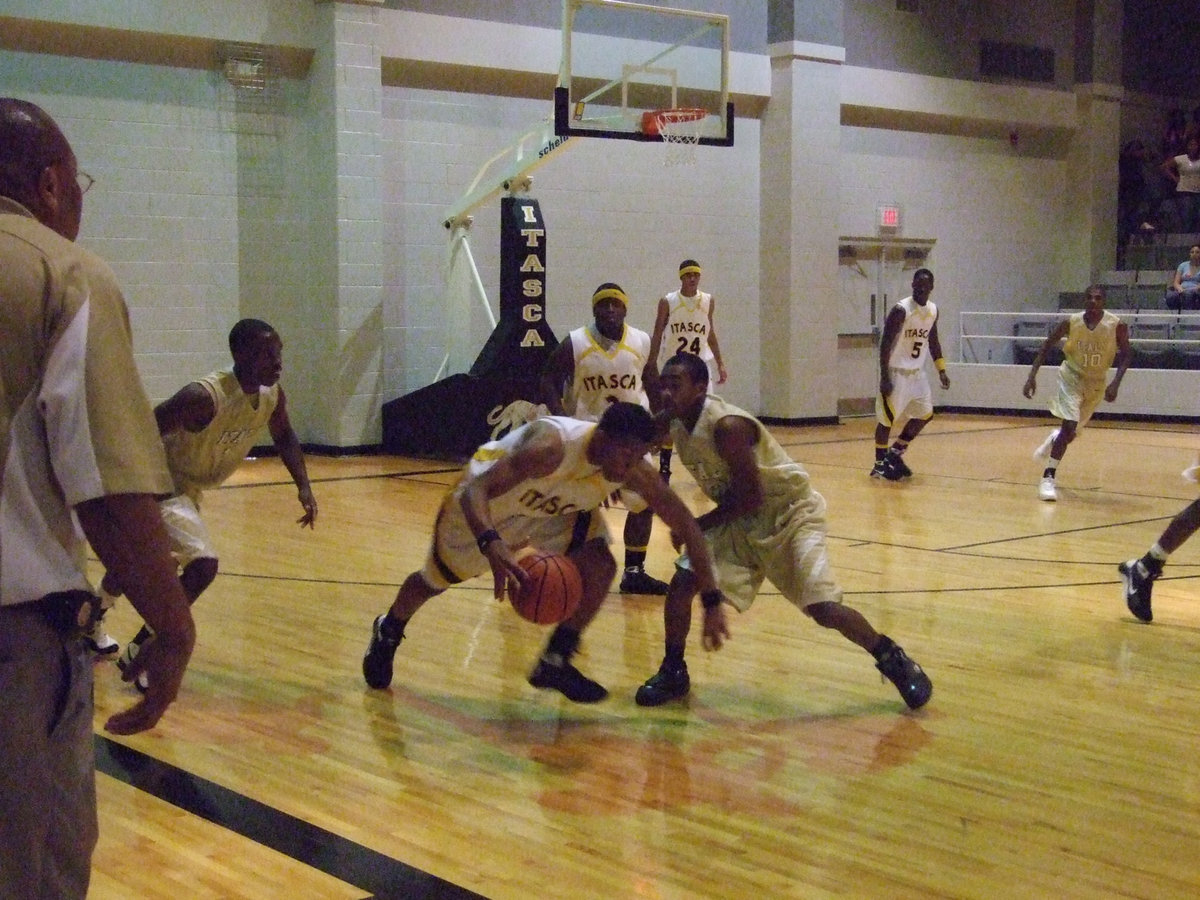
[[1184, 292], [1184, 171]]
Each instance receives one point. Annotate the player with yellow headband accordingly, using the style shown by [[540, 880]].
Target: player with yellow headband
[[684, 324], [596, 366]]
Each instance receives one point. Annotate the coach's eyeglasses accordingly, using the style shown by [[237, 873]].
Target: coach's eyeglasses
[[85, 181]]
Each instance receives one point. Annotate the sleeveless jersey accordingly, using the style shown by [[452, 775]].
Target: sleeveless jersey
[[912, 343], [784, 480], [204, 459], [607, 371], [687, 327], [1089, 352], [575, 486]]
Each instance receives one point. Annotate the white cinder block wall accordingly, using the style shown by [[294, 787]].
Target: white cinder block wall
[[996, 214], [164, 209], [613, 211], [204, 224]]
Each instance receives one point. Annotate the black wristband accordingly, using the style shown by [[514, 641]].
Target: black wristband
[[710, 599], [486, 538]]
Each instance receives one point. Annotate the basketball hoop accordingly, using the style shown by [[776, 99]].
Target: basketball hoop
[[680, 131]]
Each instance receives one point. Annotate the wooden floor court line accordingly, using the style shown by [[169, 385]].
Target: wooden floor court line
[[769, 591], [385, 878], [1059, 724], [335, 480]]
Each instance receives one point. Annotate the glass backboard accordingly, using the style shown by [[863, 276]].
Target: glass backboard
[[624, 64]]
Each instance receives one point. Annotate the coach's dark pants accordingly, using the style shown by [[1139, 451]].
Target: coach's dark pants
[[47, 765]]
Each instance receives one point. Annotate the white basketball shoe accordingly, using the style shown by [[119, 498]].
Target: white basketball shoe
[[1043, 450]]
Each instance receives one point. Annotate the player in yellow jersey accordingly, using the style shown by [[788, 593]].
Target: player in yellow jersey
[[910, 336], [541, 485], [768, 523], [684, 324], [595, 366], [208, 427], [1094, 338]]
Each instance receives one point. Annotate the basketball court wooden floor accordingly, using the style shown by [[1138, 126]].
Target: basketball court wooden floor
[[1058, 757]]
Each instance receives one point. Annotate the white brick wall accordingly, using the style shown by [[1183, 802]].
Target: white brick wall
[[204, 225]]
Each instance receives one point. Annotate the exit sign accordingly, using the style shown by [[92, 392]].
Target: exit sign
[[888, 216]]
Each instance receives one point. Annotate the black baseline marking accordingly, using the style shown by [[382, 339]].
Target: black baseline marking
[[385, 878]]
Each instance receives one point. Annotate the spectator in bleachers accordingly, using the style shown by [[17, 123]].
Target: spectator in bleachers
[[1184, 292], [1184, 171], [1193, 127], [1174, 136], [1172, 143], [1137, 204]]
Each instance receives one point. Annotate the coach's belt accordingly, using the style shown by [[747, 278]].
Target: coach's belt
[[71, 613]]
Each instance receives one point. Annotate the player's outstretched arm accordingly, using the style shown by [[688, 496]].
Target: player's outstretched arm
[[685, 529], [1052, 339], [556, 374], [288, 445], [714, 344], [645, 480], [1124, 358]]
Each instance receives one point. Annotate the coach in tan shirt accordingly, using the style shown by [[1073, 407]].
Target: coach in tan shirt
[[79, 457]]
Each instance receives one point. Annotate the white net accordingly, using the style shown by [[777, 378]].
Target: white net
[[680, 130]]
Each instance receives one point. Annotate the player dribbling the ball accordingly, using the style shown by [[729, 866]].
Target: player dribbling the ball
[[541, 484]]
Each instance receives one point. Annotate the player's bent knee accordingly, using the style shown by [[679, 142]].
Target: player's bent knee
[[200, 573], [824, 613], [597, 565], [207, 565]]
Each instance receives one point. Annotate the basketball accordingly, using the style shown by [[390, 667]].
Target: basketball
[[553, 591]]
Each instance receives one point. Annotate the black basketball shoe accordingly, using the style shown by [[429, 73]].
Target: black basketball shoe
[[1139, 576], [553, 673], [895, 468], [908, 677], [668, 683], [637, 580], [377, 663]]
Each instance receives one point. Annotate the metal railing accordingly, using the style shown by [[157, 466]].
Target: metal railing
[[1159, 339]]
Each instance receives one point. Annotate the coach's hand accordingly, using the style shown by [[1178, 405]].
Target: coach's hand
[[163, 658]]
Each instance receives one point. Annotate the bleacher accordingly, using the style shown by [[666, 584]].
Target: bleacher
[[1160, 252], [1129, 289], [1162, 337], [1138, 292]]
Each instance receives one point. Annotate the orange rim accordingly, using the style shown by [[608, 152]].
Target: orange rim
[[652, 118]]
